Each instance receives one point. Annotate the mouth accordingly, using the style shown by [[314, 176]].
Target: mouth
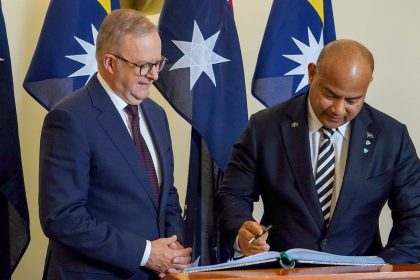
[[144, 85], [334, 119]]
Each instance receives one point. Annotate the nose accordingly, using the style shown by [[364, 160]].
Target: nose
[[153, 73], [338, 108]]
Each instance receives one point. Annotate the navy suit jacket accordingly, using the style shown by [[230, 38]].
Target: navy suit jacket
[[272, 159], [96, 202]]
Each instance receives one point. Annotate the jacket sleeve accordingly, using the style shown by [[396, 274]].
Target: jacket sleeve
[[238, 190], [404, 201], [174, 224]]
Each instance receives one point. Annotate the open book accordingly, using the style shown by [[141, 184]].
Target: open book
[[289, 259]]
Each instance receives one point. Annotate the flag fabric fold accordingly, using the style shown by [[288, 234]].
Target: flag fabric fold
[[64, 59], [14, 217], [204, 82], [204, 79], [295, 34]]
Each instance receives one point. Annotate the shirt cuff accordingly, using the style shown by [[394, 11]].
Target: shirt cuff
[[146, 254], [237, 250]]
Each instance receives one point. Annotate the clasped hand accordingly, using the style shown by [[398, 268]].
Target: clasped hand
[[168, 256], [248, 230]]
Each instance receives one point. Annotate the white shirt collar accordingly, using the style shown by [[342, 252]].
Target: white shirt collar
[[314, 124], [119, 103]]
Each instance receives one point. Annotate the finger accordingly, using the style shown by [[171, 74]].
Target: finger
[[264, 236], [259, 242], [162, 275], [183, 252], [254, 228], [249, 225], [174, 270], [260, 249], [175, 245], [243, 243], [181, 260], [181, 267], [245, 235], [169, 240]]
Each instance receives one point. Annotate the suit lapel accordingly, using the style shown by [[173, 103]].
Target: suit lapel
[[361, 145], [156, 130], [296, 140], [110, 120]]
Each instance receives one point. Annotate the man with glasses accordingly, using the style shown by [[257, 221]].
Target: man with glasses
[[107, 200]]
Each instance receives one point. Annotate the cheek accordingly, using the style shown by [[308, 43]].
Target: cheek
[[323, 104], [353, 111], [130, 82]]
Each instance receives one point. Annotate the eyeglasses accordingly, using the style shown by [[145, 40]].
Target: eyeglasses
[[145, 69]]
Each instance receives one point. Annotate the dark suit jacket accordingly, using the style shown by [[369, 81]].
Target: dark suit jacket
[[272, 159], [96, 202]]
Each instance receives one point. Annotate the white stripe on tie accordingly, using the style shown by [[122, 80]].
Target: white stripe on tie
[[324, 180]]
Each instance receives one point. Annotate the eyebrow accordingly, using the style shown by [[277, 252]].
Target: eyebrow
[[335, 95], [150, 61]]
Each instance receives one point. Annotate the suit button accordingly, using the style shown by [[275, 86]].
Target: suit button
[[324, 242]]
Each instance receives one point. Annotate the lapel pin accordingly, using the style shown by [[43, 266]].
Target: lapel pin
[[294, 124], [369, 135]]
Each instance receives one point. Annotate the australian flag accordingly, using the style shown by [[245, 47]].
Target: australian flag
[[204, 82], [14, 217], [296, 32], [64, 58]]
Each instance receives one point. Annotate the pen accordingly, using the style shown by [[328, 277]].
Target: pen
[[259, 235]]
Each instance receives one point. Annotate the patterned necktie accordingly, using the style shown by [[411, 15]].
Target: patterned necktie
[[142, 149], [325, 173]]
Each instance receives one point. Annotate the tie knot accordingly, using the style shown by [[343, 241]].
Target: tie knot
[[328, 132], [133, 110]]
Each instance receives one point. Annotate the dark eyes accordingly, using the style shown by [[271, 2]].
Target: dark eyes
[[331, 96]]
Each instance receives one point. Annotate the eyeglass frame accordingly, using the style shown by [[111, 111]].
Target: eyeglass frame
[[161, 63]]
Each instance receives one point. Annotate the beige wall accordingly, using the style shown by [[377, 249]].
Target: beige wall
[[389, 28]]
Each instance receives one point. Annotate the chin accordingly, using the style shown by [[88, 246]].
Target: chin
[[141, 95], [332, 124]]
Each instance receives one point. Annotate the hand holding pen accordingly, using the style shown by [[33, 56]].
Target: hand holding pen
[[259, 235], [252, 238]]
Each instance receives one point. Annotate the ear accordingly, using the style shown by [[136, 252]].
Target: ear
[[108, 63], [311, 72]]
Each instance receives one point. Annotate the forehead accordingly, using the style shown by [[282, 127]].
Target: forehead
[[141, 47], [345, 74]]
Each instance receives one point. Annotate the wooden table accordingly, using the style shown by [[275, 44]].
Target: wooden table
[[409, 271]]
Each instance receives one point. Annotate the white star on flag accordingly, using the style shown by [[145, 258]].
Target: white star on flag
[[88, 59], [198, 56], [309, 54]]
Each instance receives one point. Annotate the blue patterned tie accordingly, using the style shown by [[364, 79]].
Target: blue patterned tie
[[325, 173]]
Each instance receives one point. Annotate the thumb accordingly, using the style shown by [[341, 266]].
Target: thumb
[[170, 240]]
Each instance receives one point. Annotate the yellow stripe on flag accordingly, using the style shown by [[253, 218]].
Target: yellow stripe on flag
[[106, 4], [319, 8]]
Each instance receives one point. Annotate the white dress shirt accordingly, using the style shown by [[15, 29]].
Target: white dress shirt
[[120, 105], [340, 140]]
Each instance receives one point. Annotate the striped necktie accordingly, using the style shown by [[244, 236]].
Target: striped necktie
[[325, 173]]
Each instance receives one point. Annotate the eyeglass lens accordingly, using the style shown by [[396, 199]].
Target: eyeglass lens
[[146, 68]]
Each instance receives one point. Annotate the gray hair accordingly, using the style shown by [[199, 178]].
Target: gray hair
[[118, 24]]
